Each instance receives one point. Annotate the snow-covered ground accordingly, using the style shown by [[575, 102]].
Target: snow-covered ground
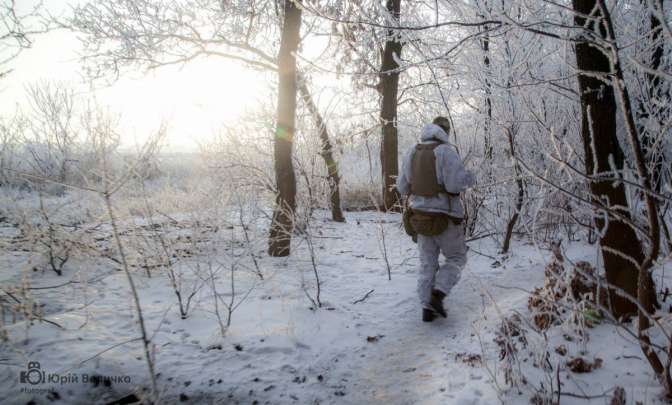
[[365, 345]]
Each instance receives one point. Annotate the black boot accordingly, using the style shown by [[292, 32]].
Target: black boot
[[437, 303], [428, 315]]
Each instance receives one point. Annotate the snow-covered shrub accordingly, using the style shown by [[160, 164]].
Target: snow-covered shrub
[[511, 337], [568, 289]]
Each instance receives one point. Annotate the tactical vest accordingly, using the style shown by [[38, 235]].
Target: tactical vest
[[424, 181]]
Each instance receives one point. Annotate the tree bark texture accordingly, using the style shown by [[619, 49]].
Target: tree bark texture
[[283, 215], [598, 132], [389, 89]]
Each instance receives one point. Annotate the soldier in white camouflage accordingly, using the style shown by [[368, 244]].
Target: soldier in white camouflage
[[433, 175]]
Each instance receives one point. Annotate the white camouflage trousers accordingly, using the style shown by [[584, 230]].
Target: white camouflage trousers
[[441, 277]]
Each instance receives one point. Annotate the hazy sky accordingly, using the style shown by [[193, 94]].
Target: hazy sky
[[193, 100]]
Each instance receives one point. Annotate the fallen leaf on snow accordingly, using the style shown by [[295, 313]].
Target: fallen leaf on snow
[[581, 365]]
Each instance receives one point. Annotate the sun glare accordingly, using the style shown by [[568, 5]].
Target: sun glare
[[193, 100]]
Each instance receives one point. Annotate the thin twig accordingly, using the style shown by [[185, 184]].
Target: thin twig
[[363, 298]]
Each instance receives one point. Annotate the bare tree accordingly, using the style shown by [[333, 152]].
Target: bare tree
[[621, 249], [150, 39], [283, 215], [52, 136], [389, 90], [487, 89], [17, 27], [11, 131], [654, 102], [327, 152]]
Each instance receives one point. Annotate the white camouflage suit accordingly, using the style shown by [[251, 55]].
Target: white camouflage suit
[[451, 173]]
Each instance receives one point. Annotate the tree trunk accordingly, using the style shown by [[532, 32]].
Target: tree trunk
[[389, 88], [598, 132], [646, 291], [658, 100], [285, 204], [521, 192], [487, 144], [511, 132], [327, 153]]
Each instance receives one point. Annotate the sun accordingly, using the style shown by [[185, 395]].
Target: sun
[[194, 100]]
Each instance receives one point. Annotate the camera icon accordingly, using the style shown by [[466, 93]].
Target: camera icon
[[33, 375]]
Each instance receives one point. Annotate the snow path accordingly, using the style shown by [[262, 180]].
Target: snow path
[[410, 361], [277, 349], [416, 362]]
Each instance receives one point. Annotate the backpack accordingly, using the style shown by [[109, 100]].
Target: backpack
[[424, 181]]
